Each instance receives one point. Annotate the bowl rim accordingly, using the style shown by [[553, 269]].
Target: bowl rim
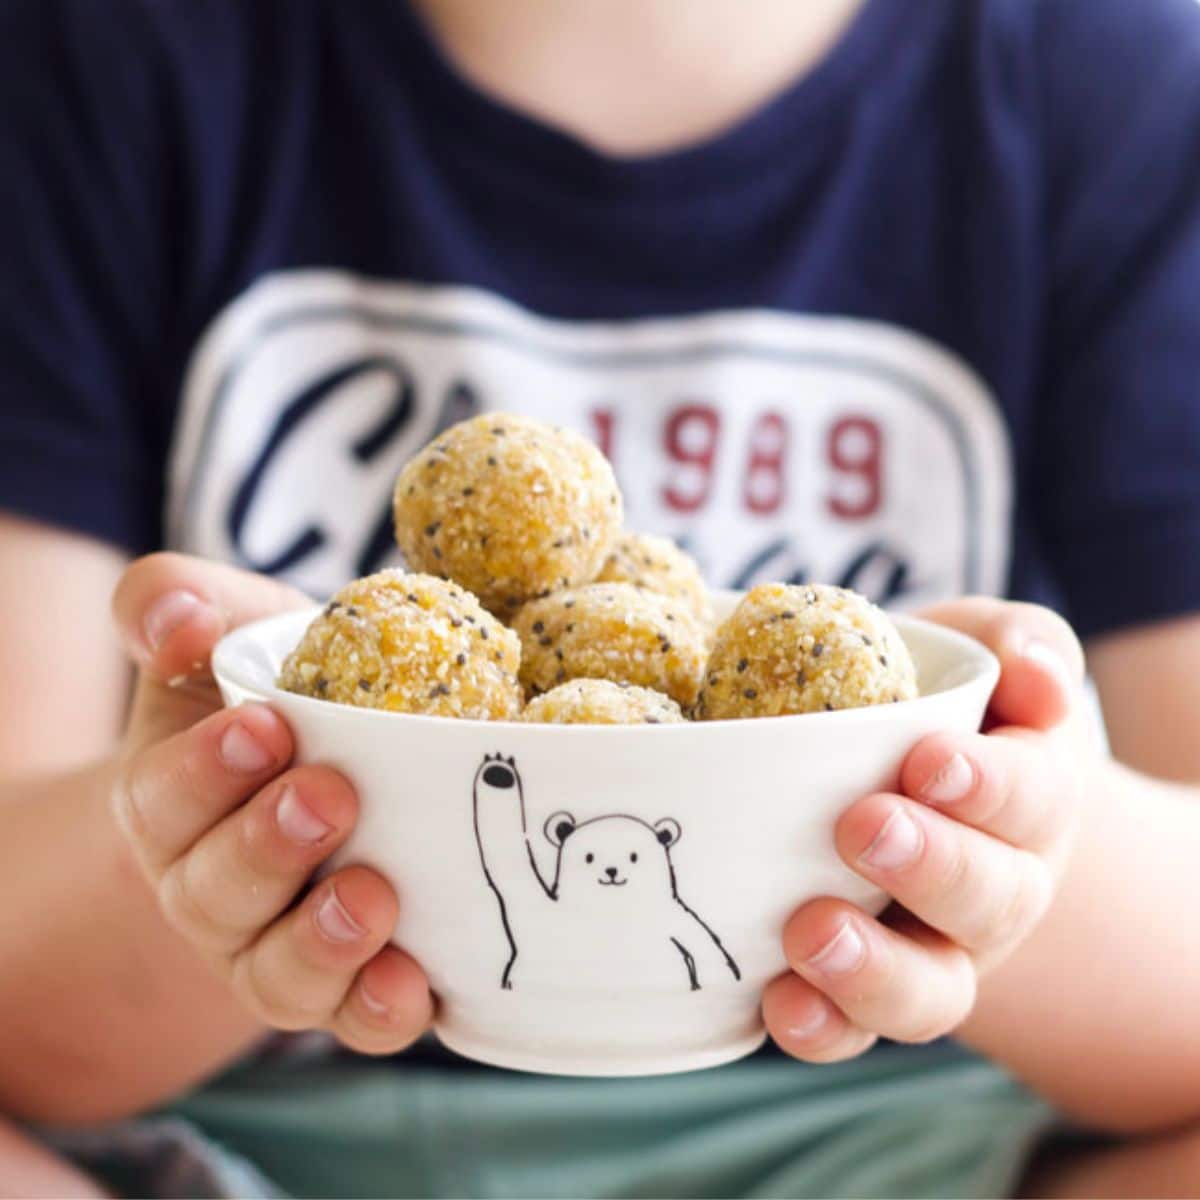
[[985, 668]]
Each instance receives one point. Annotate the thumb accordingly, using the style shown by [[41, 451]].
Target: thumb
[[1041, 660], [170, 611]]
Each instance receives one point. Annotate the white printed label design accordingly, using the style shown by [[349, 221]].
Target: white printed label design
[[774, 446]]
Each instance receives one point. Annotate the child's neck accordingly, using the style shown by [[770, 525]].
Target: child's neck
[[636, 76]]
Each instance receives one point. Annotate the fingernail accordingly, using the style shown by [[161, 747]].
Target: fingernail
[[298, 822], [240, 751], [840, 955], [335, 922], [167, 614], [813, 1023], [897, 845], [1045, 656], [372, 1002], [953, 782]]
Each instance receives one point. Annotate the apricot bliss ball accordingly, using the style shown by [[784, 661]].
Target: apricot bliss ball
[[658, 565], [601, 702], [408, 643], [803, 649], [612, 631], [509, 508]]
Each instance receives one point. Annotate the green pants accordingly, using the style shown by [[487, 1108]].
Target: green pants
[[929, 1121]]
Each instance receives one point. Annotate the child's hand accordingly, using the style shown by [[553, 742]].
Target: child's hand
[[972, 849], [228, 835]]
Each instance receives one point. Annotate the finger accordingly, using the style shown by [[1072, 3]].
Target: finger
[[1008, 784], [297, 974], [1041, 660], [248, 868], [388, 1006], [807, 1025], [980, 892], [172, 609], [909, 985], [170, 794]]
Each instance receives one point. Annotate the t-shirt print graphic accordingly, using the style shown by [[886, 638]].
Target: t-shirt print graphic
[[771, 445]]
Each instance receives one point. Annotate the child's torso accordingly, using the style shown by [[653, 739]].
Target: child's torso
[[809, 345]]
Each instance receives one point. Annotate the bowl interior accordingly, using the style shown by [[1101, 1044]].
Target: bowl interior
[[250, 658]]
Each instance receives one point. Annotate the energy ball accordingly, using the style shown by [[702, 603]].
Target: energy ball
[[601, 702], [612, 631], [509, 508], [658, 565], [408, 643], [804, 649]]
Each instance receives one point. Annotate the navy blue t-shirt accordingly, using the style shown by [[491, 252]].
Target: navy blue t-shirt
[[927, 322]]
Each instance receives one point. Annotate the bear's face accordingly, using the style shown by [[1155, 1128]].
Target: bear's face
[[612, 860]]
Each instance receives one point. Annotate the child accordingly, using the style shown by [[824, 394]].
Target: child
[[898, 294]]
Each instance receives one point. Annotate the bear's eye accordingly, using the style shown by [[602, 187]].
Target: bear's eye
[[633, 857], [590, 858]]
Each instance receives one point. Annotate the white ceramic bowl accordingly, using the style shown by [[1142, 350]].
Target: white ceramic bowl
[[607, 900]]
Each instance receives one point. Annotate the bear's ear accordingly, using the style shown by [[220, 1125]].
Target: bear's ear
[[559, 826], [668, 832]]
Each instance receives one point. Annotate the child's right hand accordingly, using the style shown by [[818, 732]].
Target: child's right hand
[[228, 833]]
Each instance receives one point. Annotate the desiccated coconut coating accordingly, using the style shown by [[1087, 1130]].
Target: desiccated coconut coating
[[601, 702], [612, 631], [658, 565], [408, 643], [804, 649], [509, 508]]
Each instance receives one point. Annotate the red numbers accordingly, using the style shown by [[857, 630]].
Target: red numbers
[[766, 481], [690, 438], [602, 430], [693, 444], [855, 451]]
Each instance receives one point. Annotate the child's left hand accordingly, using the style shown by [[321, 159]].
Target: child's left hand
[[971, 849]]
